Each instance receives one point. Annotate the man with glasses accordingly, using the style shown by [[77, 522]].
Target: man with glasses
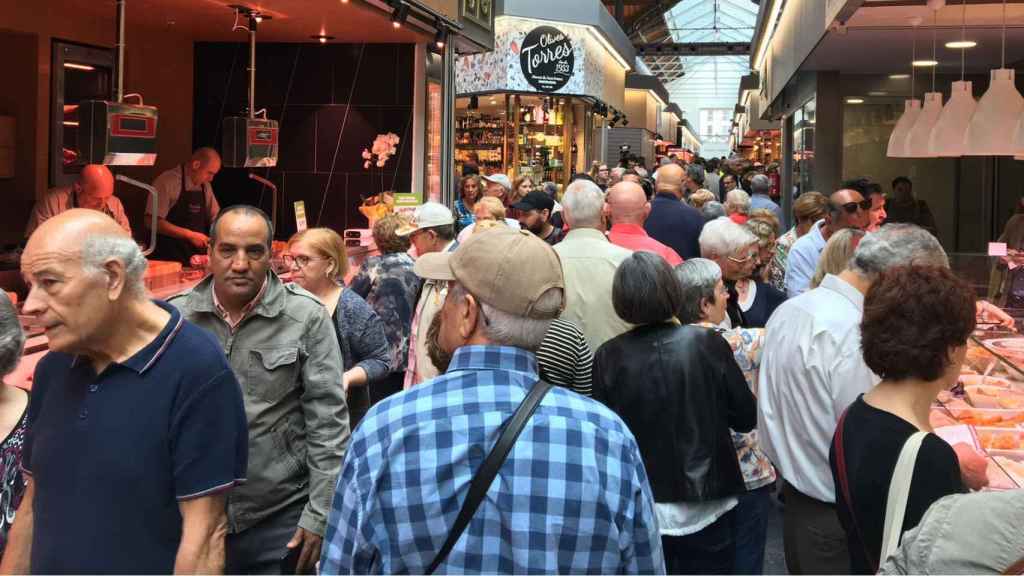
[[282, 346], [847, 208], [432, 230]]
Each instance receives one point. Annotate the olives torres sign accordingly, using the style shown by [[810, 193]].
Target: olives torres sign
[[547, 58]]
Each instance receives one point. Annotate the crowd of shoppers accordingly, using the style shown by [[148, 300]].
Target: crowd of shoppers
[[620, 397]]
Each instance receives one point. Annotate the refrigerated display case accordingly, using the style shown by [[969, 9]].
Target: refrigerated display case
[[986, 408]]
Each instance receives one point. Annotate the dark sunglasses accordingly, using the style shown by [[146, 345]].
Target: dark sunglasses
[[851, 207]]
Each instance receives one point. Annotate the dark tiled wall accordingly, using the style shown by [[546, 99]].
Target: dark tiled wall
[[331, 100]]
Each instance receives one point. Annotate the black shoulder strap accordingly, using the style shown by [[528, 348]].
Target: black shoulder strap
[[489, 469]]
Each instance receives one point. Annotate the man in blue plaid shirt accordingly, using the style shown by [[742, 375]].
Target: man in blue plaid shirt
[[573, 495]]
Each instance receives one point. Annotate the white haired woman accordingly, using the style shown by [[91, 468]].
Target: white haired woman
[[735, 249], [703, 304], [13, 418], [737, 206]]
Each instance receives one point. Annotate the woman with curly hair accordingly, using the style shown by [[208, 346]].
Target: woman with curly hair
[[469, 193], [917, 358]]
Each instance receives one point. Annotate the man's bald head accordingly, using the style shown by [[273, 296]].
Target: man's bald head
[[670, 180], [83, 272], [840, 216], [628, 203], [95, 184], [67, 232], [204, 165]]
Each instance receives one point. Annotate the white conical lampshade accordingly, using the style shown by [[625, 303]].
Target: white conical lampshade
[[898, 138], [1018, 141], [917, 139], [949, 136], [990, 132]]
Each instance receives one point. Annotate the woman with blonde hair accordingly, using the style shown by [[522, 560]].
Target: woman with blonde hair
[[701, 197], [765, 225], [390, 286], [808, 209], [487, 208], [837, 253], [319, 263]]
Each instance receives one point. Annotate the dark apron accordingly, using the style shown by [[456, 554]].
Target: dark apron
[[188, 212]]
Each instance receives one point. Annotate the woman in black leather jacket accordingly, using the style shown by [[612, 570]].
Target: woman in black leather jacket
[[679, 390]]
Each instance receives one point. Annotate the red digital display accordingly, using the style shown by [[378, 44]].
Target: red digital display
[[131, 126], [262, 136]]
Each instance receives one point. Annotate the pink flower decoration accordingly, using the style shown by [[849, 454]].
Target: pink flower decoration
[[366, 165]]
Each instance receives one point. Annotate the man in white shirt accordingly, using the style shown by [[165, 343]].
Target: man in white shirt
[[589, 261], [812, 369], [186, 207]]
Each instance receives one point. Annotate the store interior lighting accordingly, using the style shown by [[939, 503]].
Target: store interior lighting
[[854, 100], [441, 37], [1001, 106], [949, 136], [400, 11]]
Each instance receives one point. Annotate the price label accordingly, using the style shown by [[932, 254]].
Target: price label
[[997, 248], [300, 216]]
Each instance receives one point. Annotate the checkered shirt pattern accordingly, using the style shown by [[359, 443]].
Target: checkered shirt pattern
[[572, 497]]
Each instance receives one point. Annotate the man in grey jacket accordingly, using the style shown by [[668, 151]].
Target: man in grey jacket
[[282, 346]]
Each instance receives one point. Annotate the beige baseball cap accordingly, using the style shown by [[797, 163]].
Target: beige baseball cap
[[507, 269], [427, 215]]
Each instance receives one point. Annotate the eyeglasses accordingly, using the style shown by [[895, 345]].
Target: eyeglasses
[[851, 207], [301, 260], [743, 260]]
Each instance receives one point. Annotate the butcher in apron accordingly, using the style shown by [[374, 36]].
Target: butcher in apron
[[186, 208]]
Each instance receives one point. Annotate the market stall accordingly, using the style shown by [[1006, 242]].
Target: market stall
[[539, 103]]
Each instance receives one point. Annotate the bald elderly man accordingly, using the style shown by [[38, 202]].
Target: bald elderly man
[[186, 207], [672, 221], [136, 434], [846, 209], [94, 189], [628, 207]]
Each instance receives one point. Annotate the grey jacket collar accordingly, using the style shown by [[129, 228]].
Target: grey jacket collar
[[200, 297]]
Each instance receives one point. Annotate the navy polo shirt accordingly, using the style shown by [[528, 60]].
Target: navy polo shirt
[[111, 455], [675, 224]]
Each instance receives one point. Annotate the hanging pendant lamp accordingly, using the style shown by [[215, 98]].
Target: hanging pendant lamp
[[999, 109], [911, 110], [898, 138], [920, 133], [949, 137]]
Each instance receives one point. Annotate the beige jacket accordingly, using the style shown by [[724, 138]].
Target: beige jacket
[[589, 262], [432, 295]]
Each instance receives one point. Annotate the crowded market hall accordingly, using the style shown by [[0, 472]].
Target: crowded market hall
[[512, 286]]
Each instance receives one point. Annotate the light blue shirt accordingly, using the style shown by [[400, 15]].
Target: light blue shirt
[[803, 260], [760, 201]]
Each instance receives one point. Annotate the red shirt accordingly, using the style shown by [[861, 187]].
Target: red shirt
[[739, 218], [634, 237]]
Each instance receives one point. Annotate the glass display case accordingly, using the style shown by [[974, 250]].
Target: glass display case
[[986, 408]]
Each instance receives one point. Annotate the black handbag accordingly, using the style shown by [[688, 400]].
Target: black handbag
[[485, 475]]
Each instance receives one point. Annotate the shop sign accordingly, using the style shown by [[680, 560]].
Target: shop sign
[[547, 58]]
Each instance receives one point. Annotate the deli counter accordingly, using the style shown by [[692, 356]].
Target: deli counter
[[985, 410]]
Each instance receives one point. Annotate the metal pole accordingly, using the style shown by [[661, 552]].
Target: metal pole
[[252, 67], [786, 175], [119, 50], [448, 176]]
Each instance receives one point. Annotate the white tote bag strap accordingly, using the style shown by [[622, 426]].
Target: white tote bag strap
[[899, 492]]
